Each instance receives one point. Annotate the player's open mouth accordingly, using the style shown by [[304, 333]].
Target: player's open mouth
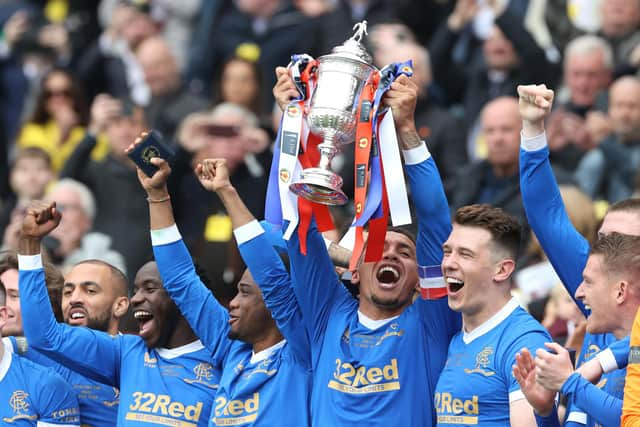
[[454, 285], [77, 314], [388, 276], [144, 319]]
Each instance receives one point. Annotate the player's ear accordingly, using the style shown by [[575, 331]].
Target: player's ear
[[120, 307]]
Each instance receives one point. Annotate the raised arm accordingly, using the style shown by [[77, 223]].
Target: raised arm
[[315, 283], [261, 257], [566, 249], [92, 353], [432, 211], [208, 319]]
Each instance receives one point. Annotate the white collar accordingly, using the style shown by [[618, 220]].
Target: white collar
[[5, 362], [490, 323], [264, 354], [172, 353], [372, 324]]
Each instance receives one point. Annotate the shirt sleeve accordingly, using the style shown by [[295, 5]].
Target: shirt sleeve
[[58, 404], [20, 346], [432, 208], [434, 227], [631, 408], [566, 249], [615, 357], [531, 340], [91, 353], [604, 408], [274, 281], [316, 285], [209, 319]]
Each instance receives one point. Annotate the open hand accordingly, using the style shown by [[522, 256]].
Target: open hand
[[552, 370], [524, 372]]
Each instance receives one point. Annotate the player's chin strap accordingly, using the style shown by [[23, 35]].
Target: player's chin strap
[[296, 148]]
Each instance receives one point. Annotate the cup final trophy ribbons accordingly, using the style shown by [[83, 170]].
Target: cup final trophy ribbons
[[339, 103]]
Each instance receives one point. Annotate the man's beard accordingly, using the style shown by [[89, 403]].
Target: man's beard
[[100, 323], [390, 304]]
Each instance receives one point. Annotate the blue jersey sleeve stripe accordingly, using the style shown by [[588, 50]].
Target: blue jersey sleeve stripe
[[607, 360], [577, 417], [416, 155], [535, 143], [30, 262], [165, 236], [45, 424], [248, 231]]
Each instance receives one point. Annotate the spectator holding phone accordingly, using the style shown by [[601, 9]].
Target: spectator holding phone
[[231, 132]]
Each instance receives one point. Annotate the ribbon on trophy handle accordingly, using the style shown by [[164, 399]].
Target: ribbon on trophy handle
[[296, 148], [383, 150]]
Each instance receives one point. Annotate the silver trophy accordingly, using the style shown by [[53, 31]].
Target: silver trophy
[[332, 114]]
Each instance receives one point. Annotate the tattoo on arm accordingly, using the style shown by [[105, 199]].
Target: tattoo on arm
[[409, 140], [339, 255]]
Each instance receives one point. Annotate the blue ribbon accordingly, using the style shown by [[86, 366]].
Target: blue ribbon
[[373, 204], [272, 208]]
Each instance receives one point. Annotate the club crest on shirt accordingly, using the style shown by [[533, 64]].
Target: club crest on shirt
[[203, 375], [482, 363], [149, 362], [19, 405]]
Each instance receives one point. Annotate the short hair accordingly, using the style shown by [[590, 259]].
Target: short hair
[[584, 45], [620, 253], [404, 231], [31, 153], [505, 230], [87, 201], [631, 205], [54, 280], [230, 109], [122, 289]]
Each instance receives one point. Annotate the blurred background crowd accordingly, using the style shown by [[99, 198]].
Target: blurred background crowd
[[80, 79]]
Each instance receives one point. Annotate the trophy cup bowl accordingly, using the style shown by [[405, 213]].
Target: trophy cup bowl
[[332, 115]]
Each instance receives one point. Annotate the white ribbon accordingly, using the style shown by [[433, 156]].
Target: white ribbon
[[393, 172]]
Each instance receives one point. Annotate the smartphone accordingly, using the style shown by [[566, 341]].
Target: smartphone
[[221, 130], [151, 146]]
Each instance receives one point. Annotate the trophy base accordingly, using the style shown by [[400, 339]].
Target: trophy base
[[320, 186]]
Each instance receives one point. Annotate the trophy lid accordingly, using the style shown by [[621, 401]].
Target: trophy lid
[[353, 47]]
